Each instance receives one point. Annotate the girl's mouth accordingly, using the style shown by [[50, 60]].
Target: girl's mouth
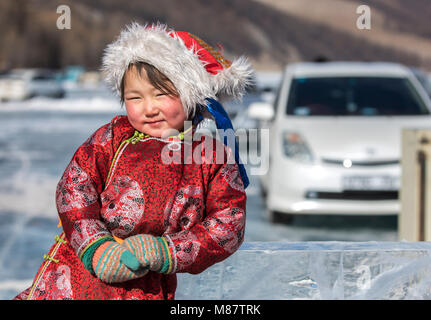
[[154, 123]]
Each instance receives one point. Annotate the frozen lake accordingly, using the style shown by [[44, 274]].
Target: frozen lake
[[38, 139]]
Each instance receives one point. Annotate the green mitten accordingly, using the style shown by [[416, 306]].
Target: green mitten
[[152, 252], [108, 266]]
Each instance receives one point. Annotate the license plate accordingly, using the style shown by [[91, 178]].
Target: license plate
[[370, 183]]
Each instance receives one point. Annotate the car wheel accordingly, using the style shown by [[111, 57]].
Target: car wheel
[[263, 191], [279, 217], [30, 96], [59, 95]]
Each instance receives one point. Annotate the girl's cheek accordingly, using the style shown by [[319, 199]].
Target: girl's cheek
[[131, 108], [175, 109]]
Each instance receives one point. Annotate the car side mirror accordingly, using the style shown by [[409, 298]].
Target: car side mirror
[[260, 111]]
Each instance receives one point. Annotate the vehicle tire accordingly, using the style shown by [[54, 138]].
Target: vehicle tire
[[279, 217], [263, 191], [60, 95]]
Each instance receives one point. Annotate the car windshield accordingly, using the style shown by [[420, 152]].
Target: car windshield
[[354, 96]]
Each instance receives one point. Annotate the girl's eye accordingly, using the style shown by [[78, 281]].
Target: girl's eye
[[133, 98], [160, 94]]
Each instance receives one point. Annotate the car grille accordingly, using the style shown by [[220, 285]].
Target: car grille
[[353, 195], [362, 163]]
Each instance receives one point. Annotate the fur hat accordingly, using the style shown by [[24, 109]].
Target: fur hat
[[195, 68]]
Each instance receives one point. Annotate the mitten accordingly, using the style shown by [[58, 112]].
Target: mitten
[[152, 252], [108, 266]]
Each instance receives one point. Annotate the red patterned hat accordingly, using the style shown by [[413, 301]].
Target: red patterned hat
[[197, 70]]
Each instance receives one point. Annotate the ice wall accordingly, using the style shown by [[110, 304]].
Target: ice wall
[[316, 270]]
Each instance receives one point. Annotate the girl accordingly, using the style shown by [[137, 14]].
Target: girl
[[135, 207]]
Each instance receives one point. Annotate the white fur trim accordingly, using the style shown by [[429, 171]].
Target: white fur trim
[[170, 56], [234, 80]]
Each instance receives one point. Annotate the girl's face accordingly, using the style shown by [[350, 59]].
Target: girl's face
[[148, 109]]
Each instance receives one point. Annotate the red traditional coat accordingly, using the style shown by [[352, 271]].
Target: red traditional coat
[[186, 190]]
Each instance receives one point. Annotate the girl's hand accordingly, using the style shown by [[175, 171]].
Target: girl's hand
[[108, 265], [152, 252]]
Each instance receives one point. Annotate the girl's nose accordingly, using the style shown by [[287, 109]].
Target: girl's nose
[[151, 108]]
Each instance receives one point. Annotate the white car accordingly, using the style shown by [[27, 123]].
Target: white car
[[335, 137], [20, 84]]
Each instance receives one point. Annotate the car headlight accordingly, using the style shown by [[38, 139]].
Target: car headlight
[[295, 147]]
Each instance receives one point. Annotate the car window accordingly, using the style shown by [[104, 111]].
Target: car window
[[354, 96]]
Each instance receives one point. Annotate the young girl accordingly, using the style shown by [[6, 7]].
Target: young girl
[[135, 207]]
